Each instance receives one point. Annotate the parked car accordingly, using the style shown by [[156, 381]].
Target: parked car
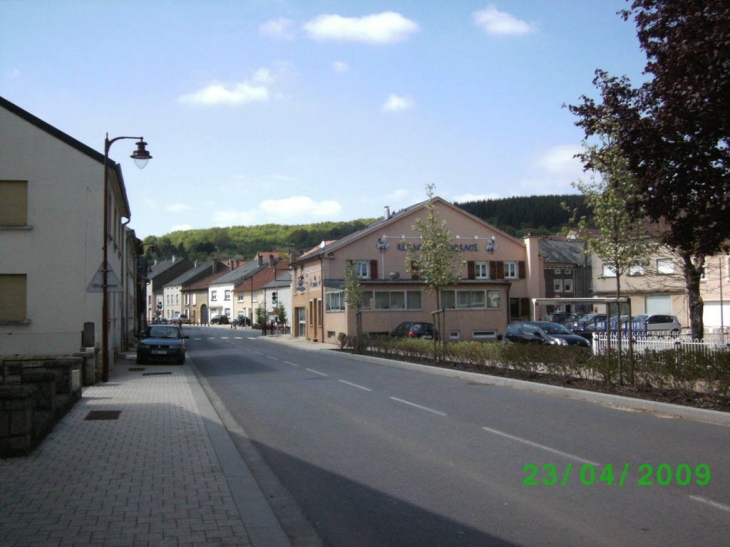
[[162, 343], [655, 324], [543, 332], [586, 324], [242, 321], [414, 329], [562, 317], [219, 319], [181, 318]]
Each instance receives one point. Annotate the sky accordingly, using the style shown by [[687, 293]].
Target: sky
[[301, 111]]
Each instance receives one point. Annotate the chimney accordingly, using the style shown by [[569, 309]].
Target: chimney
[[387, 212]]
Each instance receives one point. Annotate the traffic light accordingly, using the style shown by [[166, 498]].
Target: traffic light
[[274, 298]]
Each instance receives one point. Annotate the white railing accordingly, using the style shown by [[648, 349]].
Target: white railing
[[642, 343]]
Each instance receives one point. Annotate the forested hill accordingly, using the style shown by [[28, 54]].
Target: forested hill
[[540, 215]]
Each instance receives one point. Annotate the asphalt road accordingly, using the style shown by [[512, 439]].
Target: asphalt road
[[379, 455]]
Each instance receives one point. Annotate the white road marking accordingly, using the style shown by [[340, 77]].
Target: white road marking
[[290, 363], [355, 385], [272, 357], [711, 503], [317, 372], [419, 406], [541, 446]]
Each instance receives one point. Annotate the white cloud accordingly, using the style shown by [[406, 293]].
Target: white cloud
[[554, 170], [278, 28], [292, 210], [227, 94], [340, 66], [474, 197], [397, 103], [382, 28], [561, 160], [300, 205], [497, 22], [257, 88], [178, 208]]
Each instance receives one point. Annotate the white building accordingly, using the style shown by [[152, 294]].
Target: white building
[[51, 232]]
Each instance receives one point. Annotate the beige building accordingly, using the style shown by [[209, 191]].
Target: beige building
[[500, 275], [658, 287], [51, 232]]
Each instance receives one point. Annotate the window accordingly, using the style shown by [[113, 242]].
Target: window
[[240, 297], [13, 297], [213, 296], [186, 299], [466, 299], [362, 269], [511, 271], [335, 301], [227, 296], [638, 269], [481, 270], [391, 300], [567, 285], [665, 266], [13, 203], [609, 271], [557, 285]]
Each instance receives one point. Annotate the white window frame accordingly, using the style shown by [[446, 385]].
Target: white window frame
[[664, 266], [362, 269], [481, 270], [511, 270], [608, 271]]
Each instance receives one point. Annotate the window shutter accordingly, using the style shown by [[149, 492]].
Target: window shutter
[[522, 269], [373, 269], [496, 269], [470, 270]]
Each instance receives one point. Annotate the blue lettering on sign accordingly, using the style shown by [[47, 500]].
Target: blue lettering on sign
[[464, 248]]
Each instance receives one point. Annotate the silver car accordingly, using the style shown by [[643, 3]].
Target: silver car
[[656, 324]]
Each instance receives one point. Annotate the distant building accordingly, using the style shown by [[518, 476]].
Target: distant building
[[568, 273], [499, 277]]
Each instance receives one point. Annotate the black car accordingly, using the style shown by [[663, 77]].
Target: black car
[[543, 332], [242, 321], [219, 319], [162, 343], [413, 329]]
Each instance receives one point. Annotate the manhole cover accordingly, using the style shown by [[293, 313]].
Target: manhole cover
[[154, 373], [103, 415]]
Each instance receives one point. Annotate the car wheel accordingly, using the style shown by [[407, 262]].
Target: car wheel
[[181, 360]]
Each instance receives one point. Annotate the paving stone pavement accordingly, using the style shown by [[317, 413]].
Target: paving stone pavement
[[164, 472]]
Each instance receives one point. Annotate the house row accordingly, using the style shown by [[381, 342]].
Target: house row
[[203, 291], [52, 227]]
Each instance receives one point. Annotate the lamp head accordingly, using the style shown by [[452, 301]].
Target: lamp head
[[141, 156]]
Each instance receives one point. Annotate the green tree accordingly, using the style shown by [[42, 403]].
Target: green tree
[[624, 241], [435, 259], [354, 298], [674, 129]]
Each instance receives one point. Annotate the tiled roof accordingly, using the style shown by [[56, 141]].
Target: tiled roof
[[564, 251]]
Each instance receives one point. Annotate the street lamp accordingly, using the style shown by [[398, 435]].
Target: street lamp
[[140, 156]]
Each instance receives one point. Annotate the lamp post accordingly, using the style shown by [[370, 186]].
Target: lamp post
[[140, 156]]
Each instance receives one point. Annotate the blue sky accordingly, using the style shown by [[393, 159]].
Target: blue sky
[[288, 111]]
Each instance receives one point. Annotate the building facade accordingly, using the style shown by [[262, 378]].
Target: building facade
[[51, 241], [499, 277]]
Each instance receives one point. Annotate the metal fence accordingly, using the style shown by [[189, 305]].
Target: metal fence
[[26, 343], [640, 344]]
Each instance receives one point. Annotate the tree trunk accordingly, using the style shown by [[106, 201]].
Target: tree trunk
[[692, 279]]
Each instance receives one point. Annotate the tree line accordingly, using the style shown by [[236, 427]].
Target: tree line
[[541, 215]]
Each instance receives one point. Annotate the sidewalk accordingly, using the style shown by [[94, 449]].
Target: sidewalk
[[140, 460]]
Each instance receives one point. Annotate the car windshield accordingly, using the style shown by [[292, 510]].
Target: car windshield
[[554, 328], [164, 332]]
